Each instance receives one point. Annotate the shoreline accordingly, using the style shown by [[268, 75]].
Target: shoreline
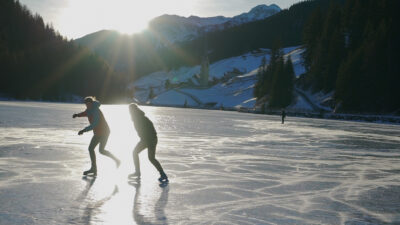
[[370, 118]]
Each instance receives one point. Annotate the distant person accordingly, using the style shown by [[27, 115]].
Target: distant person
[[100, 129], [283, 114], [148, 139]]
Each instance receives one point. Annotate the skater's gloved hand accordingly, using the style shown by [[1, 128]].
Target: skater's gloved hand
[[75, 115], [80, 132]]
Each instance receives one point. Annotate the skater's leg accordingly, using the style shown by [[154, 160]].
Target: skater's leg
[[103, 142], [152, 157], [93, 143], [139, 147]]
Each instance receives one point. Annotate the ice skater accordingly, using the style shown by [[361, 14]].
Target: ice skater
[[148, 139], [283, 114], [101, 132]]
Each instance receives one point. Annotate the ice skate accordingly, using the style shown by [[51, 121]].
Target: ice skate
[[163, 178], [90, 172]]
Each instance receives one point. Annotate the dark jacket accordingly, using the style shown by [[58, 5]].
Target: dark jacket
[[144, 127]]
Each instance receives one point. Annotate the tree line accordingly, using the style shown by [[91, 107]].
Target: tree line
[[36, 62], [275, 80], [352, 50]]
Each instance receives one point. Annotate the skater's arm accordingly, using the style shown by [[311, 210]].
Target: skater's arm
[[85, 113], [95, 121], [82, 114]]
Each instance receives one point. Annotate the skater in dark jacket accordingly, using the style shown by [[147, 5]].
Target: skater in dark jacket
[[100, 129], [148, 139], [283, 114]]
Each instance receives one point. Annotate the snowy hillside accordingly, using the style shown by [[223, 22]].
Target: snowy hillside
[[174, 28], [233, 78], [257, 13]]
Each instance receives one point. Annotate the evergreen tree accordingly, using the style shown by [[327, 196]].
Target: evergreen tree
[[335, 48], [289, 81], [38, 63], [257, 92], [282, 91], [328, 52], [269, 82], [311, 34], [349, 81], [277, 89], [355, 55], [275, 58]]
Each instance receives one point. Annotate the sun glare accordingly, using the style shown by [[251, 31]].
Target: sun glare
[[125, 16], [122, 141]]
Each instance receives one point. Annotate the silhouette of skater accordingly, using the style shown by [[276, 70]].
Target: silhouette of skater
[[101, 132], [283, 114], [148, 139]]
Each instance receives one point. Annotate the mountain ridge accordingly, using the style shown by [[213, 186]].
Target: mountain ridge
[[143, 53], [177, 28]]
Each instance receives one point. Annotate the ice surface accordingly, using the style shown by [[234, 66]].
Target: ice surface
[[224, 168]]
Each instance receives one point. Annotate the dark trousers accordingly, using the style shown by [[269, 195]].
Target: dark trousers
[[151, 146], [96, 139]]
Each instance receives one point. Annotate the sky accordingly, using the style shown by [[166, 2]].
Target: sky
[[76, 18]]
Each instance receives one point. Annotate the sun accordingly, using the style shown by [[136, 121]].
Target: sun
[[83, 17], [127, 16], [80, 18]]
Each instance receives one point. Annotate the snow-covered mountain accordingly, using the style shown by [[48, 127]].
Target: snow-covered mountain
[[233, 81], [257, 13], [172, 28]]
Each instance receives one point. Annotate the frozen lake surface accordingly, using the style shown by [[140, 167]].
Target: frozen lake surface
[[224, 168]]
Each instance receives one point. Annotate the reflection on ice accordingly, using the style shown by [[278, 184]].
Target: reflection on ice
[[129, 202], [224, 168], [148, 208]]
